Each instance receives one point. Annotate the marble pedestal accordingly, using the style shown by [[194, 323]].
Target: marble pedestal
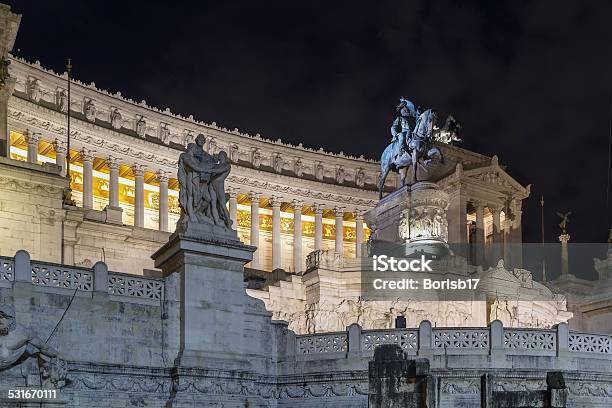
[[414, 215], [210, 262]]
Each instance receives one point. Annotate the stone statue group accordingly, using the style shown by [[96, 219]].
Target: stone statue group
[[201, 179], [412, 143]]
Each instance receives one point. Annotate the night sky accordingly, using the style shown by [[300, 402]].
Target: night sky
[[529, 81]]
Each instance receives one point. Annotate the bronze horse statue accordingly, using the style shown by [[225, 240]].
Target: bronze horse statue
[[408, 150]]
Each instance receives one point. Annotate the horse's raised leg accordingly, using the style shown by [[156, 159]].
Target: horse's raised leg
[[402, 173], [384, 171]]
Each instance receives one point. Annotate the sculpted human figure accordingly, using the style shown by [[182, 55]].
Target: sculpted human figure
[[193, 199], [14, 342]]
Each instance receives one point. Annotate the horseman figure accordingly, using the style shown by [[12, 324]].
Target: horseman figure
[[409, 147]]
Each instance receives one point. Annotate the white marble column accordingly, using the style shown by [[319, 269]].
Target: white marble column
[[113, 181], [60, 155], [276, 236], [297, 235], [480, 234], [497, 252], [138, 170], [233, 206], [255, 228], [87, 157], [318, 233], [32, 139], [339, 211], [564, 238], [162, 177], [358, 232]]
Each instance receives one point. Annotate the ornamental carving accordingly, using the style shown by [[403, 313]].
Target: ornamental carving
[[360, 178], [298, 167], [116, 120], [256, 158], [33, 89], [319, 171], [340, 175], [234, 153], [140, 126], [277, 162], [164, 133], [89, 109], [61, 99]]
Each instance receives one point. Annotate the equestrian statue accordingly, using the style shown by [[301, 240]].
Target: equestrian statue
[[412, 144]]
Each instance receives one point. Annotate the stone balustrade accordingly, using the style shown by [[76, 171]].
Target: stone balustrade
[[52, 277], [458, 341]]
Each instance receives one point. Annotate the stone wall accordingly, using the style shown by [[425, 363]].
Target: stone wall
[[31, 212]]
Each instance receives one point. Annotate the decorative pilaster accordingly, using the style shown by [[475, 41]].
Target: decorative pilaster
[[32, 139], [255, 228], [276, 236], [60, 155], [358, 232], [297, 235], [9, 22], [138, 170], [457, 215], [318, 234], [564, 238], [162, 177], [233, 206], [87, 157], [339, 212]]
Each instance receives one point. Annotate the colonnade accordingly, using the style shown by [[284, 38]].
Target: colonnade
[[113, 164]]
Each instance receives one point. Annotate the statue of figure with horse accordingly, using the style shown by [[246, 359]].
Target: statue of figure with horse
[[409, 147]]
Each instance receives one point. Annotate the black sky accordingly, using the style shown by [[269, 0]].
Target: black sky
[[530, 81]]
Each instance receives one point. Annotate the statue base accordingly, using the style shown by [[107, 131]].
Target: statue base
[[205, 231], [415, 216]]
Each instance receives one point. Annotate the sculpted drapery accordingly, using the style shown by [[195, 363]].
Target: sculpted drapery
[[201, 179]]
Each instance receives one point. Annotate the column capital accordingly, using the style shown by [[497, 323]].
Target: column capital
[[496, 209], [318, 208], [339, 211], [31, 137], [232, 191], [60, 146], [162, 176], [254, 196], [138, 170], [358, 214], [276, 201], [113, 163], [87, 155], [297, 205], [564, 238]]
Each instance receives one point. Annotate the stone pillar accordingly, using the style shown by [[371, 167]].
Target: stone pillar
[[138, 195], [255, 228], [276, 236], [162, 177], [496, 252], [506, 245], [480, 234], [60, 155], [233, 206], [113, 183], [297, 235], [87, 157], [114, 213], [9, 22], [339, 211], [358, 232], [318, 235], [396, 381], [564, 238], [214, 327], [516, 235], [32, 139], [457, 225]]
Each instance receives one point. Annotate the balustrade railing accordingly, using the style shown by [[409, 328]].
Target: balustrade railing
[[428, 341], [121, 286]]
